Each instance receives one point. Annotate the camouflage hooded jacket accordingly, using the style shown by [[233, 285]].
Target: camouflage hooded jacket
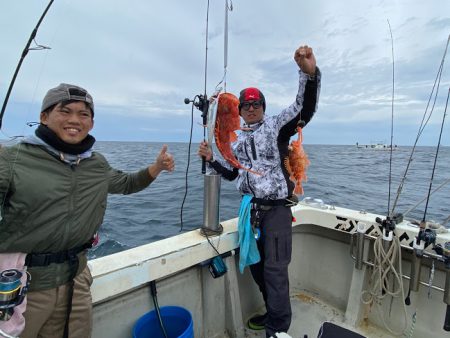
[[264, 147]]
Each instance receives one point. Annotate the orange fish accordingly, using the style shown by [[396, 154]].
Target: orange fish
[[297, 163], [227, 121]]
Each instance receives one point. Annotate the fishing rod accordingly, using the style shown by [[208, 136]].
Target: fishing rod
[[387, 247], [445, 252], [22, 57], [388, 224], [435, 159], [392, 118], [211, 225], [201, 101], [423, 124], [12, 290], [425, 236]]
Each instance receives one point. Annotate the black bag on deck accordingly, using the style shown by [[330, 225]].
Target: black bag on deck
[[330, 330]]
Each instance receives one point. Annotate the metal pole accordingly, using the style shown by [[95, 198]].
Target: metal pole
[[211, 203]]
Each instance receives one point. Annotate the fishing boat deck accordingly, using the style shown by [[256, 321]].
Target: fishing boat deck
[[309, 312], [325, 284]]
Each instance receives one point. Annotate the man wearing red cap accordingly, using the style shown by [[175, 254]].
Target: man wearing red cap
[[261, 147]]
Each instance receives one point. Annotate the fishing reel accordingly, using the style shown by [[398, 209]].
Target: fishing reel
[[201, 103], [12, 293], [388, 226], [389, 223], [444, 251], [427, 236]]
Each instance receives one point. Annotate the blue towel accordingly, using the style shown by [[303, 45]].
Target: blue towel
[[249, 253]]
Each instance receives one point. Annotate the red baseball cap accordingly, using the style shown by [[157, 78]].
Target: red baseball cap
[[252, 94]]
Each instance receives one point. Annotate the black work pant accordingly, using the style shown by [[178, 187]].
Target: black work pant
[[271, 273]]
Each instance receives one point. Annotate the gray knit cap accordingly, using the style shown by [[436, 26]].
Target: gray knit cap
[[65, 92]]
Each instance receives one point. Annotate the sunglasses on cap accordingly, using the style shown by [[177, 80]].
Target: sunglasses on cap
[[254, 104]]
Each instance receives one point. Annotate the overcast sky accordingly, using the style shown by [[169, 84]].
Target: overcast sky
[[140, 59]]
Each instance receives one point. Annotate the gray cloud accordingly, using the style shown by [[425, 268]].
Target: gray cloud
[[141, 59]]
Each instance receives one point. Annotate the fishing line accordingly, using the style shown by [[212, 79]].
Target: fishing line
[[187, 166], [225, 48], [436, 85], [422, 200], [435, 158], [210, 243]]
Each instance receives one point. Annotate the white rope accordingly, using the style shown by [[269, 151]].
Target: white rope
[[387, 263], [413, 324]]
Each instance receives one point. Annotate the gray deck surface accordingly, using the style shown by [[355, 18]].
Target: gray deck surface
[[308, 314]]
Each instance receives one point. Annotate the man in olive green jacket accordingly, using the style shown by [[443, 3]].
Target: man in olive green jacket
[[53, 193]]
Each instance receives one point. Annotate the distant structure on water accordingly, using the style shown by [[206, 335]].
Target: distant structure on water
[[376, 146]]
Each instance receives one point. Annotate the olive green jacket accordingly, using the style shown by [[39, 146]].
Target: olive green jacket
[[48, 205]]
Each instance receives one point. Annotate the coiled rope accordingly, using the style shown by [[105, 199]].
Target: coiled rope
[[387, 266]]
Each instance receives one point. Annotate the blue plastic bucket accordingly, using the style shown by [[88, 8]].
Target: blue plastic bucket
[[177, 322]]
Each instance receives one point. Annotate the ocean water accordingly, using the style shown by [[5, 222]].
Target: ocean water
[[340, 175]]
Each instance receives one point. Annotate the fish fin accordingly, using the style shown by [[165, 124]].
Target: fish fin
[[252, 171], [233, 136], [298, 190]]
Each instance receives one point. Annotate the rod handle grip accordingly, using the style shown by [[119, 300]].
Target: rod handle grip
[[203, 165]]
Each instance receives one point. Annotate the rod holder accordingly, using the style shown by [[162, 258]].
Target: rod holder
[[447, 287], [387, 239], [416, 264], [211, 203], [447, 300], [446, 255], [360, 236]]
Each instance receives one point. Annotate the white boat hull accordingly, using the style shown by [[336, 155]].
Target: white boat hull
[[324, 283]]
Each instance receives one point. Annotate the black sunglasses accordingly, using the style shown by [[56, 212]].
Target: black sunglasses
[[254, 104]]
